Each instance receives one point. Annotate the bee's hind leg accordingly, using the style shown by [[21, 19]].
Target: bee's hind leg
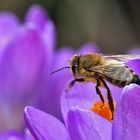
[[99, 92], [73, 82], [110, 99]]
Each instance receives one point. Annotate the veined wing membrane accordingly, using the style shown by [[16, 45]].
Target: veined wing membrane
[[118, 71], [122, 58]]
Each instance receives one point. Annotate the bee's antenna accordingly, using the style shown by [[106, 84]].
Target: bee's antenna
[[60, 69]]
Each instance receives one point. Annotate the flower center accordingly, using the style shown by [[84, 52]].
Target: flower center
[[104, 110]]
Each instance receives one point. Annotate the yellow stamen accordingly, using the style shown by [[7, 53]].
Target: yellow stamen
[[103, 110]]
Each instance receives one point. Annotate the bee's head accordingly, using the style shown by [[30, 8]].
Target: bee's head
[[74, 64]]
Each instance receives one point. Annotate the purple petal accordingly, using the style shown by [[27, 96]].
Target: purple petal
[[49, 34], [22, 66], [86, 125], [37, 15], [82, 95], [49, 38], [116, 91], [89, 47], [28, 135], [134, 65], [44, 126], [57, 80], [127, 116], [8, 25]]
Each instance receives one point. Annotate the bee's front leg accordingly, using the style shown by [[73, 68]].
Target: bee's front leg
[[73, 82]]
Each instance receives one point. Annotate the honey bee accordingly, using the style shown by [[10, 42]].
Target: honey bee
[[98, 69]]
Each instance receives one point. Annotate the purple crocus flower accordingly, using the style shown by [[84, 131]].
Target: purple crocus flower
[[80, 123], [27, 57], [26, 54]]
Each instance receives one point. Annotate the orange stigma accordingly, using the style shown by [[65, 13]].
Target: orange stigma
[[103, 110]]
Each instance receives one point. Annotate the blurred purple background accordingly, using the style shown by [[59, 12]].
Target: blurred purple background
[[113, 24]]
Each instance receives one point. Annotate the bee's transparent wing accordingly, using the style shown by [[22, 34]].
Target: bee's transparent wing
[[122, 58], [113, 69], [117, 71]]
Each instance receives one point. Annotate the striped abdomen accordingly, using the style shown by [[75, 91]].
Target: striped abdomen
[[122, 76]]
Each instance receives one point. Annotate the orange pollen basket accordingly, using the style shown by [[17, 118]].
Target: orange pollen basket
[[103, 110]]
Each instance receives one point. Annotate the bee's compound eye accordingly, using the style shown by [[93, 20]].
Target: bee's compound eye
[[73, 69]]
